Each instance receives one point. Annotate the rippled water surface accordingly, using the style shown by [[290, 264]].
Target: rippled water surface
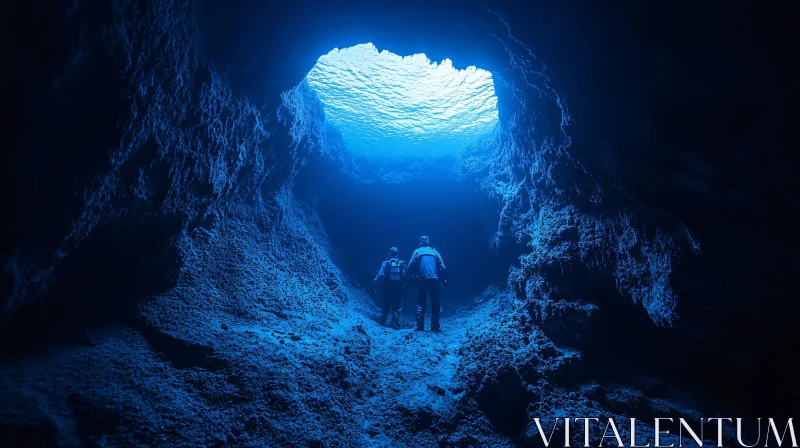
[[387, 105]]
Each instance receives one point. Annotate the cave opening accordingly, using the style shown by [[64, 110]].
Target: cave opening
[[404, 122], [388, 106]]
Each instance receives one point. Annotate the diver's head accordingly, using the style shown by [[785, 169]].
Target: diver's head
[[424, 241], [392, 252]]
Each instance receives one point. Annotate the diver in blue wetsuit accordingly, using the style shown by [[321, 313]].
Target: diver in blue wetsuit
[[427, 265], [391, 280]]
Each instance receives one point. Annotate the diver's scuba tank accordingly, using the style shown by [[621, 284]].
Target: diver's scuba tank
[[394, 269]]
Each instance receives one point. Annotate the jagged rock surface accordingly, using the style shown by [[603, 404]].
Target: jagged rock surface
[[259, 339]]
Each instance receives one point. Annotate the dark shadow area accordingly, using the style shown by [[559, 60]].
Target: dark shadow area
[[738, 310], [711, 363], [182, 354], [59, 92], [91, 420], [505, 402], [42, 434], [101, 281]]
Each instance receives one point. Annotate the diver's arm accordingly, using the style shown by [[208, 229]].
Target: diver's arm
[[413, 260], [380, 275], [442, 269], [411, 268]]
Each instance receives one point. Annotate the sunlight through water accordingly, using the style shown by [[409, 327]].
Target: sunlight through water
[[389, 106]]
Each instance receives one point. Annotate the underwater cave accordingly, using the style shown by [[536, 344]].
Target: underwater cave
[[203, 194], [401, 124]]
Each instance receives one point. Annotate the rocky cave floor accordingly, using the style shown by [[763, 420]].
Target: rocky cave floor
[[264, 342]]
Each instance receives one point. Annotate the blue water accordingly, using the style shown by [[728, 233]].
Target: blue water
[[388, 106]]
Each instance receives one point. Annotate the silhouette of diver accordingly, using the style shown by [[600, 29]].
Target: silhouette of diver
[[391, 280], [426, 264]]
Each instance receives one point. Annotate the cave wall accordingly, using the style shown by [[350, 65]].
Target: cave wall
[[602, 228], [148, 145], [691, 100], [177, 145], [183, 197], [176, 117]]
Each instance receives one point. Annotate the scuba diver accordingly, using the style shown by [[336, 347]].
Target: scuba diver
[[391, 280], [427, 265]]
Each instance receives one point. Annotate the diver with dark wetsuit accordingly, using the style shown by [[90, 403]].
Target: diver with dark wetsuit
[[391, 280]]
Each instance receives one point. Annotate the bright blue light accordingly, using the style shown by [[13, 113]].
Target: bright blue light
[[388, 106]]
